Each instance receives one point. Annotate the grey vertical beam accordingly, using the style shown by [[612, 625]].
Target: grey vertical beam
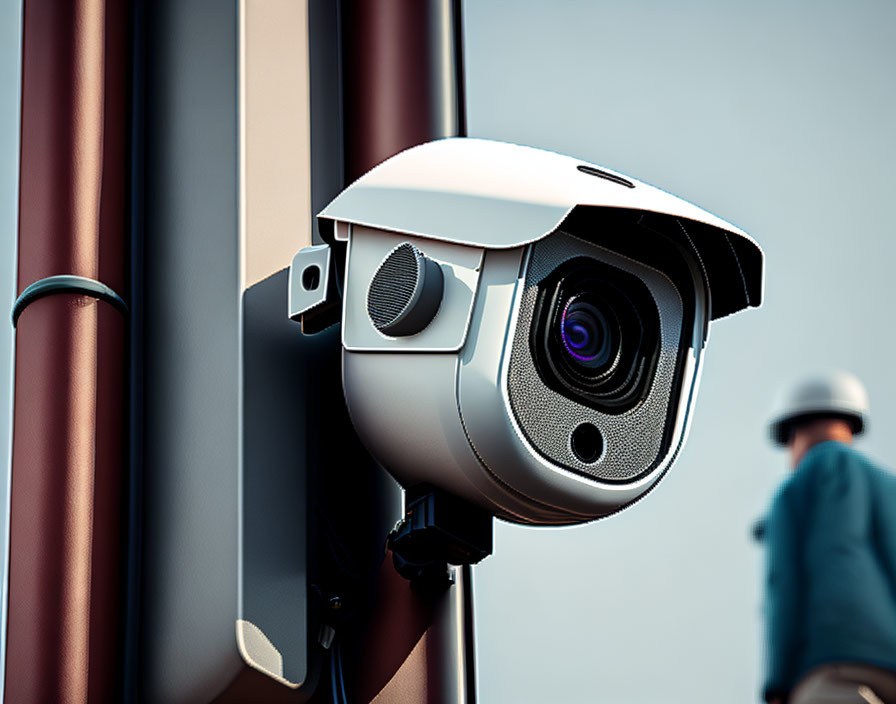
[[10, 115], [225, 532], [191, 353], [327, 178]]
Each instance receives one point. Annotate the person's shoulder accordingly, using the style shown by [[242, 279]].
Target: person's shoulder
[[828, 466], [833, 461]]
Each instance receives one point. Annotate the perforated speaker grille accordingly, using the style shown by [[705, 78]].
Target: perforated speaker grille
[[393, 285], [633, 440]]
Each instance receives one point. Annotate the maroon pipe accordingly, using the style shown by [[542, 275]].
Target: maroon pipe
[[63, 639], [402, 86], [402, 77]]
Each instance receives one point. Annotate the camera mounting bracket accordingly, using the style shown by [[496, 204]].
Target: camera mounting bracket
[[438, 529], [314, 292]]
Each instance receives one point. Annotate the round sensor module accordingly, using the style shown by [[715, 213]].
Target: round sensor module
[[587, 443], [405, 292]]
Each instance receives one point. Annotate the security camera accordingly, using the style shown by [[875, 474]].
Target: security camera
[[520, 329]]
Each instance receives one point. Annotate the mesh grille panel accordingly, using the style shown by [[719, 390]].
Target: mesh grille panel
[[633, 439], [393, 285]]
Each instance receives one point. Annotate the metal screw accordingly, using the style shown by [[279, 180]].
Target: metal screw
[[335, 603]]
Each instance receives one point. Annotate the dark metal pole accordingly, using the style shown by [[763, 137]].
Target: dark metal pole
[[402, 77], [134, 488], [402, 84]]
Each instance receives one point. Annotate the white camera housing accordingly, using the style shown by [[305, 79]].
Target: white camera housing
[[524, 330]]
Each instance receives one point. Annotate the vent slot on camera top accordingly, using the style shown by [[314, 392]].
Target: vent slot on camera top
[[591, 171]]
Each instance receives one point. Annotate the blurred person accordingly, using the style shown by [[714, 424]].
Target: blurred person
[[830, 537]]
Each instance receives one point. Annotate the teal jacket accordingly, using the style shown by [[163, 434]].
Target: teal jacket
[[831, 579]]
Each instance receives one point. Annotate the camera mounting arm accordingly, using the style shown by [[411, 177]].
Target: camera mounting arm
[[438, 529]]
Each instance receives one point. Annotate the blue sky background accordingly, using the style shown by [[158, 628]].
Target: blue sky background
[[779, 117]]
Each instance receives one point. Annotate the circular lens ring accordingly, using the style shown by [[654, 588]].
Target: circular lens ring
[[624, 371], [591, 367], [589, 310]]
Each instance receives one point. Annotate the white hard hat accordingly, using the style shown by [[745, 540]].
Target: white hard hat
[[837, 395]]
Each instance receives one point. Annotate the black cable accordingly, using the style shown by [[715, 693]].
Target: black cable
[[334, 688], [337, 677], [341, 677]]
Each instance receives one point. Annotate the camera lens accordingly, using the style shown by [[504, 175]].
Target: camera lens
[[595, 338], [586, 334]]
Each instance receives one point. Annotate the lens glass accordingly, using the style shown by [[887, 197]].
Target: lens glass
[[596, 334], [586, 333]]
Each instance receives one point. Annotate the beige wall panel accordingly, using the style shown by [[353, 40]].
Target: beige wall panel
[[275, 151]]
